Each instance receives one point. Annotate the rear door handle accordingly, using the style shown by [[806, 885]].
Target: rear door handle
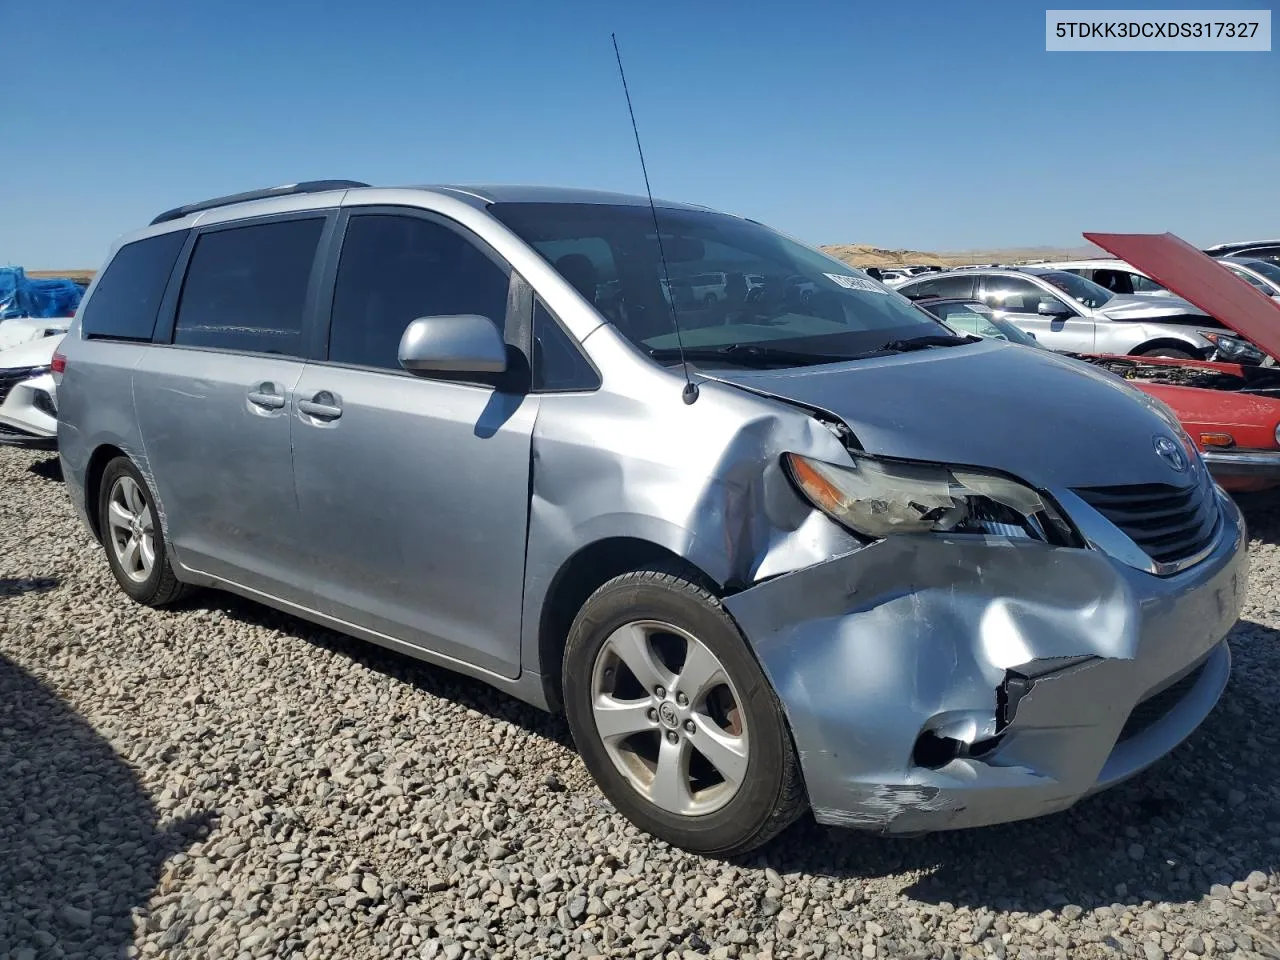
[[323, 406], [268, 396]]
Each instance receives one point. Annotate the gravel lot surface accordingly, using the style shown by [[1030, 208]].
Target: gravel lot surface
[[222, 781]]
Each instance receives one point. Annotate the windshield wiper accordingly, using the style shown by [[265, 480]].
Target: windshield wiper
[[925, 342], [750, 354]]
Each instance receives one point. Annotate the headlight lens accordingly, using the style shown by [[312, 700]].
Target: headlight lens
[[1233, 348], [876, 498]]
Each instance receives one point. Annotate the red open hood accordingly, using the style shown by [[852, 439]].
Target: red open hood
[[1194, 276]]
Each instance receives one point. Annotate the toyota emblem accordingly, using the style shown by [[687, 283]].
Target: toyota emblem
[[1168, 451]]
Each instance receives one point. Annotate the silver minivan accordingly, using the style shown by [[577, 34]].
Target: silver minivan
[[800, 547]]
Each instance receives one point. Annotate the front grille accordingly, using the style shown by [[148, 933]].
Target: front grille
[[1169, 523], [1154, 709], [10, 378]]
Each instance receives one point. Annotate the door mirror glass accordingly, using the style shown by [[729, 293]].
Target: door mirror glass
[[1048, 308], [453, 344]]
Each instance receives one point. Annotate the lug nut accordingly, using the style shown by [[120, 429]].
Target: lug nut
[[689, 727], [671, 736], [659, 692], [682, 699], [653, 715]]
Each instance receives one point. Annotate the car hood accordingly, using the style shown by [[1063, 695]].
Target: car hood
[[23, 329], [1213, 288], [1137, 307], [1050, 420], [33, 353]]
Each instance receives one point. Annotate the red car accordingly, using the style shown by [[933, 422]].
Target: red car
[[1232, 412]]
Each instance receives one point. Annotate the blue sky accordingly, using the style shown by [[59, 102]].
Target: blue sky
[[941, 126]]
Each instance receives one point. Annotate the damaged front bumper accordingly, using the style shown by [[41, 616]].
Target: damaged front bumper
[[936, 683]]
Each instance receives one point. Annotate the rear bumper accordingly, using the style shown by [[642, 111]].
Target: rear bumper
[[1261, 464], [1053, 673]]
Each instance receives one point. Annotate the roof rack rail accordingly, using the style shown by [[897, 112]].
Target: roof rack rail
[[288, 189]]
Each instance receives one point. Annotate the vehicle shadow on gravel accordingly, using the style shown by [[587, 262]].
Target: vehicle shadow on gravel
[[80, 842], [437, 681], [1205, 815], [49, 469]]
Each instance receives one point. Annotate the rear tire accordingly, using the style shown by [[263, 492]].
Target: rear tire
[[655, 673], [132, 536]]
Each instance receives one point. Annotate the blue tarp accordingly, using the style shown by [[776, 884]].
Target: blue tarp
[[23, 296]]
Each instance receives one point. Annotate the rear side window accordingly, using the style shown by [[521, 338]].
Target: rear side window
[[125, 303], [246, 288], [395, 269], [960, 287]]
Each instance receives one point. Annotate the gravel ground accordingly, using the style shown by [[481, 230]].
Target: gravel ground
[[222, 781]]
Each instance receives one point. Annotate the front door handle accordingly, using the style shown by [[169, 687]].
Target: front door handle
[[323, 406], [267, 395]]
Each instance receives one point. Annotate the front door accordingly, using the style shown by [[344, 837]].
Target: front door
[[214, 404], [414, 492], [1019, 300]]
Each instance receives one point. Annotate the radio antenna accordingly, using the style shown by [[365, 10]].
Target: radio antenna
[[690, 392]]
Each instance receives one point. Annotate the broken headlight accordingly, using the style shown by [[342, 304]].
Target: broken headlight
[[877, 498]]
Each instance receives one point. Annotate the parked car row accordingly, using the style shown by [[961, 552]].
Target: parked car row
[[739, 540], [1228, 399]]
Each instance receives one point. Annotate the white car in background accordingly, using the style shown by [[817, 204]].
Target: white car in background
[[17, 330], [28, 397], [1115, 275], [1262, 274]]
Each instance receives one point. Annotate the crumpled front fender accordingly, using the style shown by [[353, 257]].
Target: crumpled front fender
[[914, 634]]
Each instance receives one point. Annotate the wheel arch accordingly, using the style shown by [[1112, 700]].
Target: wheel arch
[[1173, 343], [94, 470], [584, 572]]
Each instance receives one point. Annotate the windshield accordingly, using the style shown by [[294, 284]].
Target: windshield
[[733, 282], [977, 319], [1084, 291]]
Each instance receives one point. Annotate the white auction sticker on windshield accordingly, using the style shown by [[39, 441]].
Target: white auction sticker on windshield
[[854, 283]]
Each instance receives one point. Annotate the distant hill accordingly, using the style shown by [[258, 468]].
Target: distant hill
[[866, 255]]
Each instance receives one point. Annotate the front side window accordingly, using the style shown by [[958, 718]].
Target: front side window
[[1017, 295], [769, 291], [246, 287], [1078, 288], [1268, 271], [395, 269], [1246, 277], [1143, 284], [126, 301]]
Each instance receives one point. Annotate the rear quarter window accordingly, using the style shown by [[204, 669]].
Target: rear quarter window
[[126, 301]]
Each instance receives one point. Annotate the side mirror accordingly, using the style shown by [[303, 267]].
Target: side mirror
[[1048, 309], [466, 343]]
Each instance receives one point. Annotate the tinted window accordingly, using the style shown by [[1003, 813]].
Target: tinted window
[[125, 303], [395, 269], [246, 288], [1262, 253], [558, 364], [806, 305], [959, 286], [1078, 288], [1248, 278], [1016, 295]]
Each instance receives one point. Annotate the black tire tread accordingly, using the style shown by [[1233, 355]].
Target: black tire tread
[[682, 577]]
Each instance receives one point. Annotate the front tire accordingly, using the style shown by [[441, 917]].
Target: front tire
[[674, 718], [1173, 353], [133, 538]]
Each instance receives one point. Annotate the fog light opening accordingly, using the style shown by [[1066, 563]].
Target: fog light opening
[[932, 751], [44, 403]]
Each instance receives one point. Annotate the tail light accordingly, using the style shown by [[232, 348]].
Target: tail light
[[59, 363]]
